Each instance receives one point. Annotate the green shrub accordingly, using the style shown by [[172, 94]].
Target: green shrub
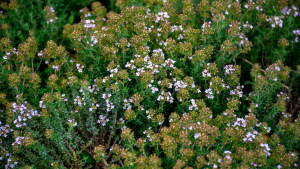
[[174, 84]]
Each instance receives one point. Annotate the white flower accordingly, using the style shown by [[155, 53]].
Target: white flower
[[56, 67], [197, 135], [279, 166]]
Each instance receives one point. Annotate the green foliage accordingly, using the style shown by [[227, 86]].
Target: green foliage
[[173, 84], [29, 18]]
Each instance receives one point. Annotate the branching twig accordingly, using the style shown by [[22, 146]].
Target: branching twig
[[4, 150], [74, 154], [55, 156], [110, 153], [86, 146], [84, 134]]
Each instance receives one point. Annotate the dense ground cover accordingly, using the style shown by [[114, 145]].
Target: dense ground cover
[[155, 84]]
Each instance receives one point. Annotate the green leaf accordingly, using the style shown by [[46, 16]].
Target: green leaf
[[71, 18], [247, 82], [89, 158]]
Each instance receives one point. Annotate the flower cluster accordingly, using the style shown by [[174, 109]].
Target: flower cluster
[[288, 11], [50, 14], [72, 122], [210, 70], [297, 33], [89, 24], [23, 113], [276, 21], [165, 96], [79, 68], [162, 16]]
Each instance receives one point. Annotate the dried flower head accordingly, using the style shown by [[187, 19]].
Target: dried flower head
[[130, 114], [99, 152]]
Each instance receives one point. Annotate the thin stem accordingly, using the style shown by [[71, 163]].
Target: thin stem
[[73, 153], [121, 162], [131, 146], [110, 136]]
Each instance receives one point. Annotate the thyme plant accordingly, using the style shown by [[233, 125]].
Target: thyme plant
[[162, 84]]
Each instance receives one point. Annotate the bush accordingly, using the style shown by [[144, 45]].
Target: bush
[[173, 84]]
